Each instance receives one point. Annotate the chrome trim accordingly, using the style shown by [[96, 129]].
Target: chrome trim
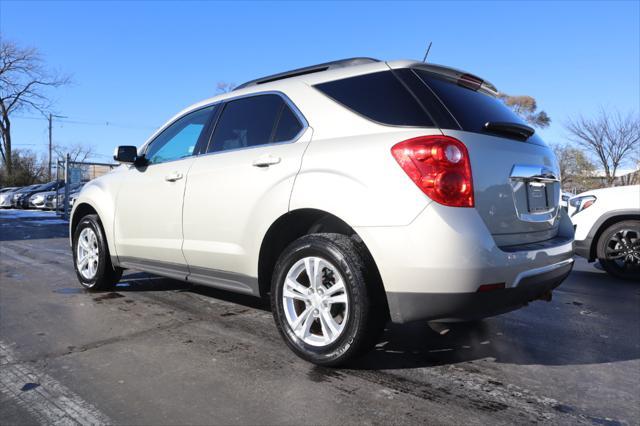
[[537, 271], [303, 120], [526, 172]]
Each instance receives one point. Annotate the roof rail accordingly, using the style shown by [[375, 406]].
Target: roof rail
[[342, 63]]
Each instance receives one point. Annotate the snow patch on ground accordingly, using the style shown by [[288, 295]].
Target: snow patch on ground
[[32, 214]]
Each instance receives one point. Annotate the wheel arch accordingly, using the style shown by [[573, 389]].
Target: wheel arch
[[80, 211], [82, 208], [605, 222], [297, 223]]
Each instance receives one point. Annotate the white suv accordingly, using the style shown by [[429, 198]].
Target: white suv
[[351, 192], [607, 225]]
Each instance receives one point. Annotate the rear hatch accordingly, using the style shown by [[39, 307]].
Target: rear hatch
[[515, 174], [516, 190]]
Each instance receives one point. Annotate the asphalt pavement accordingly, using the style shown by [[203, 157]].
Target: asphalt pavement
[[159, 351]]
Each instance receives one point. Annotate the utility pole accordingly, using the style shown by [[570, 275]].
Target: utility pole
[[50, 118]]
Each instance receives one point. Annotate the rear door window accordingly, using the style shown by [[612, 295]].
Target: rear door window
[[254, 121], [380, 97]]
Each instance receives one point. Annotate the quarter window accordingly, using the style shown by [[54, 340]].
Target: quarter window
[[180, 138], [254, 121], [379, 97]]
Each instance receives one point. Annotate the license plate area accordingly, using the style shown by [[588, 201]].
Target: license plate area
[[537, 198], [536, 193]]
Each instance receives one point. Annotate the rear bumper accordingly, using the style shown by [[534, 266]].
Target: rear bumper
[[432, 268], [582, 248], [473, 306]]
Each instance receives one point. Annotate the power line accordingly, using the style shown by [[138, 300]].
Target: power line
[[92, 123]]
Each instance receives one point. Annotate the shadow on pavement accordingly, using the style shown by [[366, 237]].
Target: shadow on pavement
[[563, 332], [142, 281]]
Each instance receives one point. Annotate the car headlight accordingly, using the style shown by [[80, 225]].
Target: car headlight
[[50, 197], [581, 203]]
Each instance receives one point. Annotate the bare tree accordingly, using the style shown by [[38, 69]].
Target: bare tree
[[77, 152], [23, 82], [27, 169], [527, 108], [576, 169], [611, 137], [225, 87]]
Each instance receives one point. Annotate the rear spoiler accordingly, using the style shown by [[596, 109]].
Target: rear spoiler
[[459, 77]]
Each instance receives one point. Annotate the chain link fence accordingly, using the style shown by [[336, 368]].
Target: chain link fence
[[75, 175]]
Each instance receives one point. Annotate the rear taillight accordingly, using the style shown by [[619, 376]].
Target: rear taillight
[[440, 166]]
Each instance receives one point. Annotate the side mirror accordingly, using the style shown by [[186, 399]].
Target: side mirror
[[126, 154]]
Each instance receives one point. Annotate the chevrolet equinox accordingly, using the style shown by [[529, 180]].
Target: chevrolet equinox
[[350, 193]]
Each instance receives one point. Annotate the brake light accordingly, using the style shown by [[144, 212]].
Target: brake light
[[440, 166], [470, 81]]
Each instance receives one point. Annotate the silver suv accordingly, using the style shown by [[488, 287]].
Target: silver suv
[[350, 193]]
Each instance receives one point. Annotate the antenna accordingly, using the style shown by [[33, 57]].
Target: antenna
[[427, 54]]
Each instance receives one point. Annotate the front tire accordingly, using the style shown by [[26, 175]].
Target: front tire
[[324, 304], [618, 250], [91, 257]]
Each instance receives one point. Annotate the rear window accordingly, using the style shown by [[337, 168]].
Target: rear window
[[470, 108], [379, 97]]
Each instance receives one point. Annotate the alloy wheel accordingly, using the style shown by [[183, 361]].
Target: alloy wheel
[[87, 254], [623, 249], [315, 300]]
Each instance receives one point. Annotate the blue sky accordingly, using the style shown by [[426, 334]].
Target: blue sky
[[134, 65]]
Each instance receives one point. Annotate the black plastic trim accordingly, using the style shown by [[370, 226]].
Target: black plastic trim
[[407, 307]]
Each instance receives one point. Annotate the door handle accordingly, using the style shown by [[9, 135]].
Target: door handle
[[173, 177], [266, 161]]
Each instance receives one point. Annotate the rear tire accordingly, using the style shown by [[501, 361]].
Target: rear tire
[[339, 315], [618, 250], [91, 257]]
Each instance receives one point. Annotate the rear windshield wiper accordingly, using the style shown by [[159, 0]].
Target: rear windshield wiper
[[520, 131]]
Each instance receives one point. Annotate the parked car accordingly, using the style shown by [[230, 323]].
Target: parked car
[[24, 199], [58, 200], [349, 192], [6, 196], [8, 189], [18, 196], [607, 224], [564, 200], [73, 197], [42, 200]]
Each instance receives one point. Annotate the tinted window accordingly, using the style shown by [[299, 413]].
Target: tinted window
[[472, 109], [437, 112], [380, 97], [246, 122], [179, 139], [288, 125]]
